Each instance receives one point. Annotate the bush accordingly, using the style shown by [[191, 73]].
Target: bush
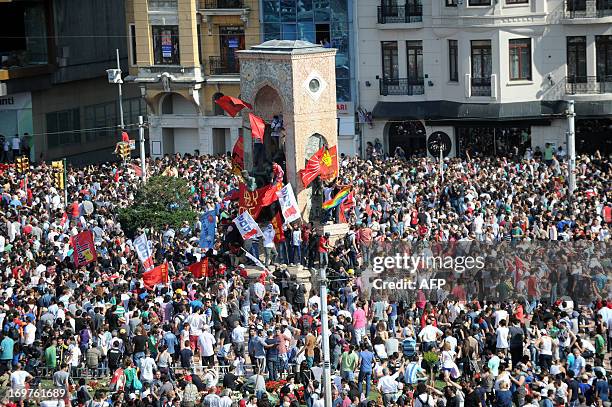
[[162, 200]]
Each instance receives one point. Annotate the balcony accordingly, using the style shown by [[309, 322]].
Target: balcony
[[402, 86], [409, 13], [580, 9], [223, 4], [588, 85], [481, 86], [222, 66]]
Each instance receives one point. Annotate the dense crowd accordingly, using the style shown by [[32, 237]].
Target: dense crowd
[[533, 327]]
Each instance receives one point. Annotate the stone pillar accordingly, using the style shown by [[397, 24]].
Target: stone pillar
[[205, 137], [144, 46], [188, 33], [156, 142]]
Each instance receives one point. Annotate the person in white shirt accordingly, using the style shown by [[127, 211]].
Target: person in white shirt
[[269, 246], [147, 366], [206, 344], [296, 246], [19, 377], [388, 386], [429, 336], [29, 332], [502, 337], [500, 314], [238, 338]]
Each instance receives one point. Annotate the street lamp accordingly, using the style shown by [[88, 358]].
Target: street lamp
[[114, 77]]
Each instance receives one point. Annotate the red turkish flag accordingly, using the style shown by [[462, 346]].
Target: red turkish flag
[[329, 164], [313, 168], [199, 269], [155, 276], [232, 105], [258, 127], [277, 224]]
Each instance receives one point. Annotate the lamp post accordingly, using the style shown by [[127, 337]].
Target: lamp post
[[571, 147], [114, 77]]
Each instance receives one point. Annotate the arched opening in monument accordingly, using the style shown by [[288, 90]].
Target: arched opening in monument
[[406, 138], [269, 106], [314, 144]]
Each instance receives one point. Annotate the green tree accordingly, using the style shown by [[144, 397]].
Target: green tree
[[162, 200]]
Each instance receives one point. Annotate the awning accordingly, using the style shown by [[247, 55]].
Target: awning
[[446, 110]]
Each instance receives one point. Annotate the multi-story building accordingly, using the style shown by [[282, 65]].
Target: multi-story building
[[329, 23], [494, 75], [54, 92], [183, 57]]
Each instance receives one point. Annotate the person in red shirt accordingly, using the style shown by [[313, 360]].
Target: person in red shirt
[[324, 247]]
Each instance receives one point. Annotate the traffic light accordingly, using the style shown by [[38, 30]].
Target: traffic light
[[123, 150], [58, 174], [22, 164]]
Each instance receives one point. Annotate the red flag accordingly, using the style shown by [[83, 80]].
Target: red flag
[[117, 174], [232, 105], [254, 201], [64, 219], [238, 155], [329, 164], [345, 205], [199, 269], [84, 250], [136, 168], [258, 127], [155, 276], [313, 168], [277, 224]]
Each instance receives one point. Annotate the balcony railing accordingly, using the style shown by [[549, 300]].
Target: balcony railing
[[221, 66], [481, 86], [588, 85], [402, 86], [410, 13], [588, 9], [227, 4]]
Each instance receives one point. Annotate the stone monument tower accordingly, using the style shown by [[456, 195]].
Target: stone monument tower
[[295, 80]]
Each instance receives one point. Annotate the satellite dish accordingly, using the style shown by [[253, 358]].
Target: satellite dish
[[437, 141]]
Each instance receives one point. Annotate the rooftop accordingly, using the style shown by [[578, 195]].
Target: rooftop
[[287, 47]]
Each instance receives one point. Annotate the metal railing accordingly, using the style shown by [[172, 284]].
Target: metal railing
[[402, 86], [232, 4], [588, 85], [481, 86], [587, 9], [410, 13], [220, 66]]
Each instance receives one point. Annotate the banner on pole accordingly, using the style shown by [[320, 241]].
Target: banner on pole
[[247, 226], [288, 204], [209, 227], [141, 244], [84, 249]]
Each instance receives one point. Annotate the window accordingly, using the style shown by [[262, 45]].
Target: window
[[603, 50], [520, 59], [453, 60], [133, 56], [166, 44], [481, 59], [390, 60], [451, 3], [157, 4], [199, 32], [414, 51], [100, 117], [132, 108], [576, 60], [517, 1], [63, 128], [477, 3]]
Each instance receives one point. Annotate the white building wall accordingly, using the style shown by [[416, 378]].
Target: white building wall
[[543, 21]]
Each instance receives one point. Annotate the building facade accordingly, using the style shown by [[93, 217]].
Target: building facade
[[53, 89], [182, 56], [328, 23], [494, 76]]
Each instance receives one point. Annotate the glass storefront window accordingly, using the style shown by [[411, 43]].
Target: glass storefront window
[[271, 11], [306, 32], [288, 9], [272, 31], [290, 32], [321, 10], [304, 10]]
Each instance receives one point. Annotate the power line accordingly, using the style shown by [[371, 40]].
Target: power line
[[86, 130]]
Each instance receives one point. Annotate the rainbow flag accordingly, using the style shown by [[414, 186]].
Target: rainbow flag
[[338, 199]]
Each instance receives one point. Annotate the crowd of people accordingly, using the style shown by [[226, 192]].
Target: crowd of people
[[532, 327]]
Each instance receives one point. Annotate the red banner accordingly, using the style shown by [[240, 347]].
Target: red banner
[[329, 164], [232, 105], [258, 127], [158, 275], [313, 168], [277, 224], [84, 250], [238, 156], [200, 269], [254, 201]]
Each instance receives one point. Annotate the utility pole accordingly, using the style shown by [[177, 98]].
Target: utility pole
[[141, 139], [325, 340], [114, 77], [571, 147]]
